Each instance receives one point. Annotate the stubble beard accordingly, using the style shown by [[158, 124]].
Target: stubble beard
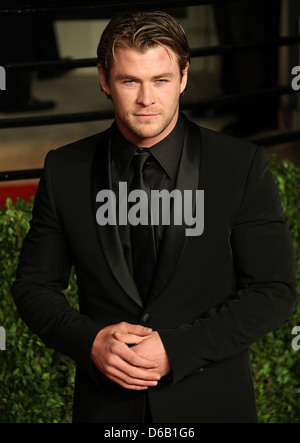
[[146, 130]]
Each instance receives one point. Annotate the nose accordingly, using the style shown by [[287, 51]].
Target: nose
[[146, 95]]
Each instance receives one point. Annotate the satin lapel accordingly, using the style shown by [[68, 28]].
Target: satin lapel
[[108, 234], [175, 237]]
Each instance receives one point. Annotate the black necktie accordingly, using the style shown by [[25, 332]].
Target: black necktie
[[142, 236]]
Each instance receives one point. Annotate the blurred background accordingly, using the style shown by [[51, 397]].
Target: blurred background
[[243, 53]]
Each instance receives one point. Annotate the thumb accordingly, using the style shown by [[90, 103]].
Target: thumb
[[128, 338], [128, 328]]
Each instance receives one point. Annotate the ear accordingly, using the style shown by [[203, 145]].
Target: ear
[[102, 78], [184, 78]]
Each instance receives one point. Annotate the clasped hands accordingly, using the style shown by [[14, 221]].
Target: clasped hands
[[136, 367]]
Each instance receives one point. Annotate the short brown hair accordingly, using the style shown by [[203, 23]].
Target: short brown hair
[[142, 30]]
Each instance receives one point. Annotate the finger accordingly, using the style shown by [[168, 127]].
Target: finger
[[128, 386], [119, 361], [134, 378], [145, 376], [133, 358]]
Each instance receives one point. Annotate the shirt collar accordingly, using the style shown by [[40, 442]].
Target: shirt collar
[[167, 152]]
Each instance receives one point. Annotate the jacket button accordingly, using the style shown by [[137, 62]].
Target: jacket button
[[146, 318]]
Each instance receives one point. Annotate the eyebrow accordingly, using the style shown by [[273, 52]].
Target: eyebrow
[[132, 77]]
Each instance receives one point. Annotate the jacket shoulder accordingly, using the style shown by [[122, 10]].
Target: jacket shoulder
[[80, 150], [221, 145], [227, 143]]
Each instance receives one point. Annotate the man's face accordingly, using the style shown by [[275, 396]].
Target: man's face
[[145, 88]]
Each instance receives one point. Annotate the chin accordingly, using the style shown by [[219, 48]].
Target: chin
[[149, 132]]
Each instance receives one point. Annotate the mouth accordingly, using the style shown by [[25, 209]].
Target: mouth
[[146, 116]]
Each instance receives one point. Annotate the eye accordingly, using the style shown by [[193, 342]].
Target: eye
[[161, 82]]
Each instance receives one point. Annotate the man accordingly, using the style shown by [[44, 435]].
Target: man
[[166, 317]]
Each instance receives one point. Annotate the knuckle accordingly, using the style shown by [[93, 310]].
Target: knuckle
[[128, 380], [135, 360], [112, 347], [109, 361], [131, 373]]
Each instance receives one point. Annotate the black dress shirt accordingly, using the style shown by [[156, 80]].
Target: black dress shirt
[[161, 172]]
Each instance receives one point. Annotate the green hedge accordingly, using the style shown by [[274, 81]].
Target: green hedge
[[276, 366], [36, 383]]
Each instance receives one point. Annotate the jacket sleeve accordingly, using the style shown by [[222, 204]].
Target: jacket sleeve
[[264, 261], [42, 276]]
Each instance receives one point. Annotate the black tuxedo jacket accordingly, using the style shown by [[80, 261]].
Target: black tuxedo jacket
[[213, 295]]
